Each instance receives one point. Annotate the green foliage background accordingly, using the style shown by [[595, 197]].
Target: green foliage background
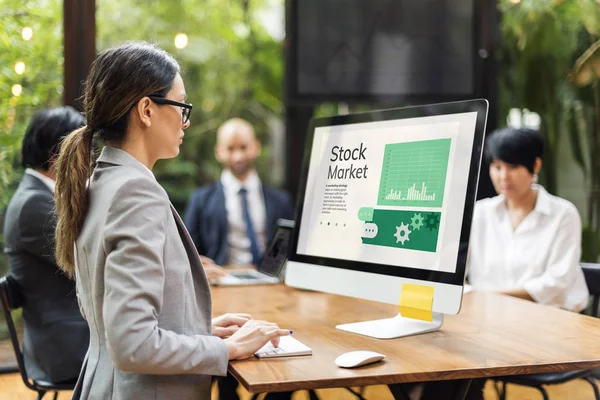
[[232, 67], [540, 41], [41, 81]]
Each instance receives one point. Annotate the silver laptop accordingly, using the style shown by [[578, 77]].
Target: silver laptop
[[270, 269]]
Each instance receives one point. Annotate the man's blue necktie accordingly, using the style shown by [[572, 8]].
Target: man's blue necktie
[[250, 232]]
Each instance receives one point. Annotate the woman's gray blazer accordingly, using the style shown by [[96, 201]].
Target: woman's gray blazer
[[143, 290]]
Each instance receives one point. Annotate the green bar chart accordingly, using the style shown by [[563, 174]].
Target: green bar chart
[[414, 173]]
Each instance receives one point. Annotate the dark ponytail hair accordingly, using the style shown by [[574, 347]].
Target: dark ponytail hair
[[119, 78]]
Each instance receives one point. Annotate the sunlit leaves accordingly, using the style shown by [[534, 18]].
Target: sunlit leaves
[[30, 74], [231, 66]]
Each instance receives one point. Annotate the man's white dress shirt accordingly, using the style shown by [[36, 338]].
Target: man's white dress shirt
[[239, 243], [541, 256], [50, 183]]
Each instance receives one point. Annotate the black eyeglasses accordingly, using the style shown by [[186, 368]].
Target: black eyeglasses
[[185, 107]]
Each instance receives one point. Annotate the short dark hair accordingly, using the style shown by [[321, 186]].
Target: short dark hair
[[516, 146], [45, 132]]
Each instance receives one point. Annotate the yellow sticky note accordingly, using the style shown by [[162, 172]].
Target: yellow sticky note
[[416, 301]]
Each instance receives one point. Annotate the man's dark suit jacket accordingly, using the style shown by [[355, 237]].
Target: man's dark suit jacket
[[206, 218], [56, 337]]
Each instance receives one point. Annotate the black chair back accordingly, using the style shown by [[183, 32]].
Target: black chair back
[[591, 271], [11, 299], [592, 279]]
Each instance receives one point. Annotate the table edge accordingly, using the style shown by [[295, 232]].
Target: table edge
[[467, 373]]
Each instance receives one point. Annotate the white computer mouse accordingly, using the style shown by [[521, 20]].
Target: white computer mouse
[[358, 358]]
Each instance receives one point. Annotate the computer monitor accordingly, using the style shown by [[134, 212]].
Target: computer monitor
[[387, 199]]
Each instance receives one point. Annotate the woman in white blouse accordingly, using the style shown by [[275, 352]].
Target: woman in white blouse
[[525, 242]]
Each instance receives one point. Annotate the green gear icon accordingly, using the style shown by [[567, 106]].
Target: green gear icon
[[416, 222], [432, 221]]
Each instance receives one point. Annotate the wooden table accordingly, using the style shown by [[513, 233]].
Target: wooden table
[[493, 335]]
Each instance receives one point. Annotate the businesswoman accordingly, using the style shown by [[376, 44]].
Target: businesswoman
[[139, 280], [525, 242]]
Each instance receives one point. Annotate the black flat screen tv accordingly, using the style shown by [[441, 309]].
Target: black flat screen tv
[[365, 50]]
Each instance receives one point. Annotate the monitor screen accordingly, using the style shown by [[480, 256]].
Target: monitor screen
[[382, 49], [392, 192]]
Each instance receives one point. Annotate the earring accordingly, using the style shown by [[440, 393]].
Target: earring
[[535, 178]]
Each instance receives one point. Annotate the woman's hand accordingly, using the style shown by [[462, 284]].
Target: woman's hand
[[252, 336], [228, 324]]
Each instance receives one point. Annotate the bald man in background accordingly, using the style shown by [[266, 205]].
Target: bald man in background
[[232, 220]]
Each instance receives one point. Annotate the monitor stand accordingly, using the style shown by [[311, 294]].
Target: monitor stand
[[395, 327]]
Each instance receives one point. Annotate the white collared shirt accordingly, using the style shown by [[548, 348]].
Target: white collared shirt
[[50, 183], [541, 256], [239, 243]]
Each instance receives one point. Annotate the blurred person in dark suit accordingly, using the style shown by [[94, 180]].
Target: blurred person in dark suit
[[231, 220], [56, 336]]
